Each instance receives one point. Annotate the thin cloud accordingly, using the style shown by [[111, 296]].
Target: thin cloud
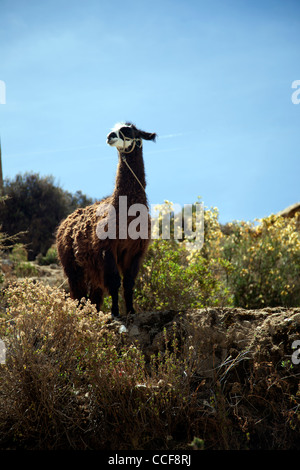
[[81, 147], [174, 149], [171, 136], [55, 150]]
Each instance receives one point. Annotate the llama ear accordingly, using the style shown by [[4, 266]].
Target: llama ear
[[147, 135]]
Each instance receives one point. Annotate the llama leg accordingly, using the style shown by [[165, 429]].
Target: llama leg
[[96, 297], [128, 285], [77, 284], [129, 276], [112, 281], [74, 273]]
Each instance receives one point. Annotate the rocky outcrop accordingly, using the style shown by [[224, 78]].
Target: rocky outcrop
[[290, 211], [217, 334]]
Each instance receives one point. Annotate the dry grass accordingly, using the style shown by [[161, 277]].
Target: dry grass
[[72, 381]]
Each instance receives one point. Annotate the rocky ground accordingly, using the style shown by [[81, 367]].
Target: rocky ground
[[264, 335]]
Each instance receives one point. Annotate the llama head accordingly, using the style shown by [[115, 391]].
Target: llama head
[[124, 136]]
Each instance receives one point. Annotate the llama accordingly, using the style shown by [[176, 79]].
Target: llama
[[93, 266]]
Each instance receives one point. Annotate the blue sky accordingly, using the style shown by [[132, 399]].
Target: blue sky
[[212, 78]]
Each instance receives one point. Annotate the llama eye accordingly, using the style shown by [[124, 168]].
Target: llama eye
[[126, 131]]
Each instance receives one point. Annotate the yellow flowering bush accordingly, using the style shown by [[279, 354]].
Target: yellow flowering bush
[[265, 260]]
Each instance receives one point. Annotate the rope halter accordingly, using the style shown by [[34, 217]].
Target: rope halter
[[135, 141]]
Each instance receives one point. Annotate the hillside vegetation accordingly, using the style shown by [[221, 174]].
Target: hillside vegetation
[[210, 360]]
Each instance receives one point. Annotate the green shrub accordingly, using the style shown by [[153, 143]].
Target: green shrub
[[49, 258], [18, 253], [26, 269], [22, 267], [173, 277]]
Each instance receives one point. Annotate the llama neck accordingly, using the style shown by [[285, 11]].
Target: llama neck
[[128, 183]]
